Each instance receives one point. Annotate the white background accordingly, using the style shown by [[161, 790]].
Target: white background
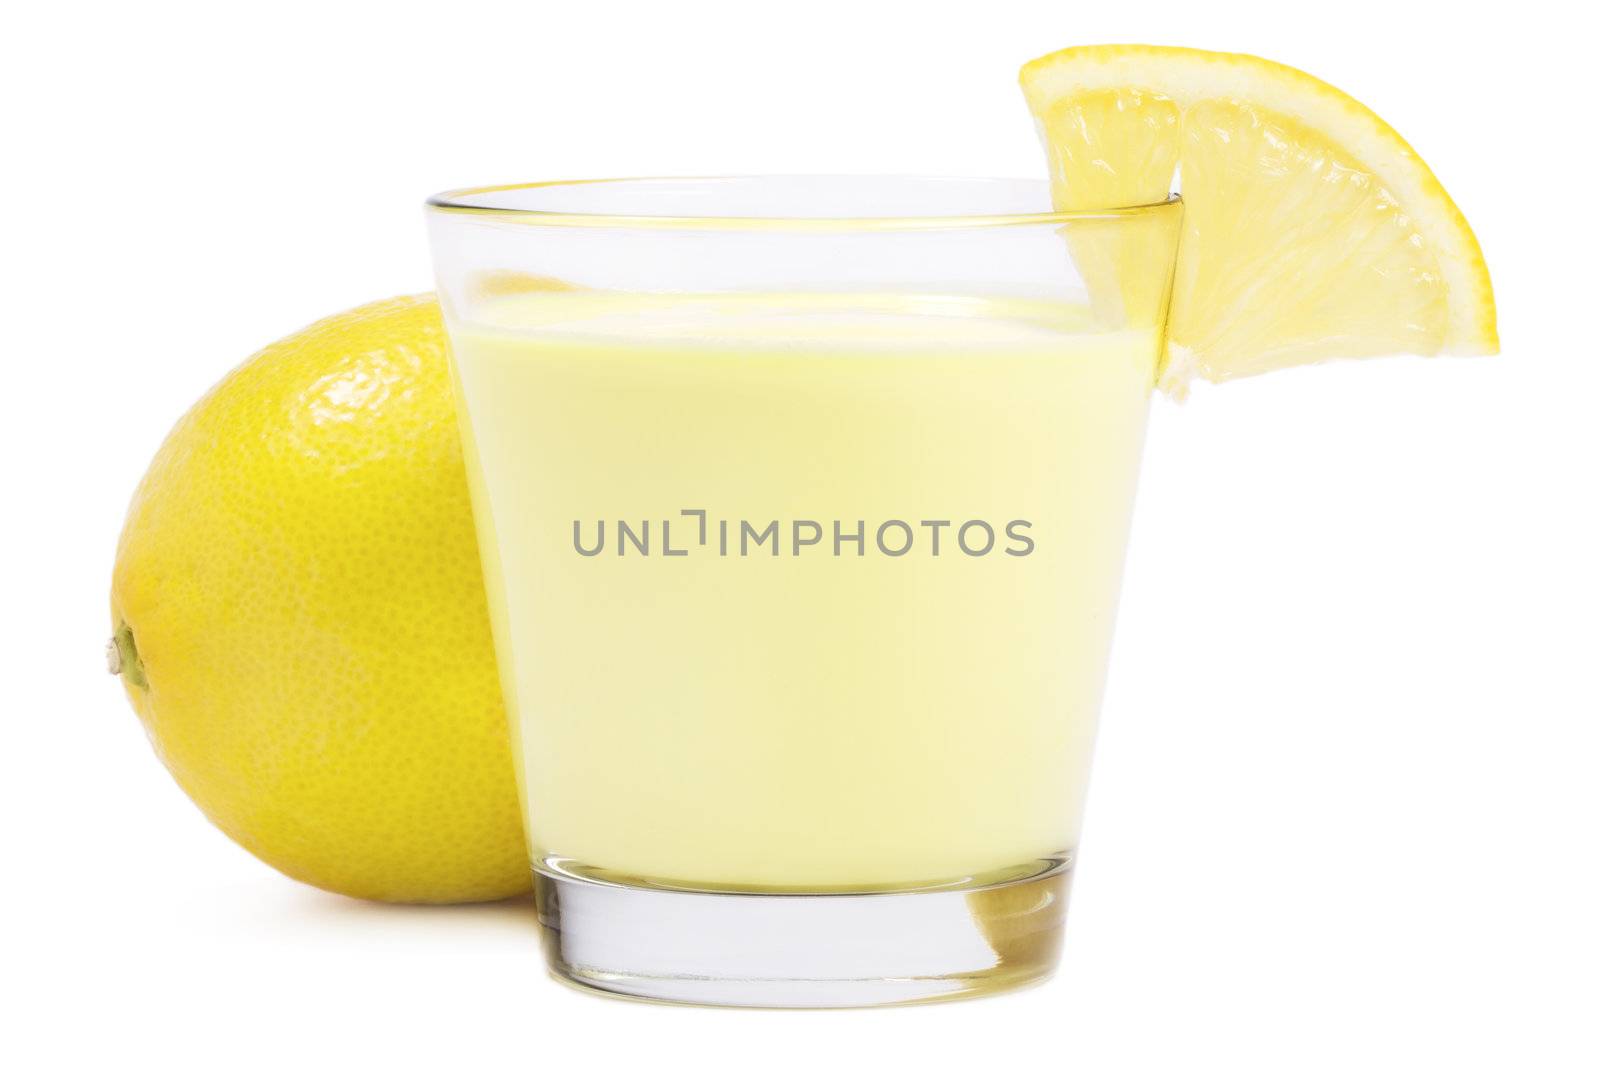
[[1345, 806]]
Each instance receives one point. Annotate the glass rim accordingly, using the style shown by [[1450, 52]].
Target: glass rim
[[460, 202]]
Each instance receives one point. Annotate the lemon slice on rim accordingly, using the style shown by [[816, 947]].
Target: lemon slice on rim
[[1311, 230]]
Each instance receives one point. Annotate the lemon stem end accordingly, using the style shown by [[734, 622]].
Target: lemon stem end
[[122, 657]]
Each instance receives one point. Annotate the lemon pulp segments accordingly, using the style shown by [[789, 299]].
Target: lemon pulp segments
[[1311, 231]]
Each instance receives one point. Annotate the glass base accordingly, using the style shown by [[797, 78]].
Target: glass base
[[829, 950]]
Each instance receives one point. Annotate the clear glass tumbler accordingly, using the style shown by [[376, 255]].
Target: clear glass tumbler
[[802, 505]]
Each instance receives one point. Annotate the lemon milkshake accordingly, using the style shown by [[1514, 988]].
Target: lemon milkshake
[[803, 502], [802, 593]]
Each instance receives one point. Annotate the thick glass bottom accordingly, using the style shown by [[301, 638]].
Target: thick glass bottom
[[826, 950]]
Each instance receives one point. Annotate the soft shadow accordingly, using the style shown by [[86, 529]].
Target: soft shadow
[[318, 906]]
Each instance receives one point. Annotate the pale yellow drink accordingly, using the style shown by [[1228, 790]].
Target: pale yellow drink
[[691, 709]]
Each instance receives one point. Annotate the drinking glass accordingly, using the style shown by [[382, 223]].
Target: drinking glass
[[802, 505]]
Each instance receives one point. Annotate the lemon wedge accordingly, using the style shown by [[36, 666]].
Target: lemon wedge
[[1312, 231]]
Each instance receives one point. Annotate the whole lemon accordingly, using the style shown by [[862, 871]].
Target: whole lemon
[[300, 620]]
